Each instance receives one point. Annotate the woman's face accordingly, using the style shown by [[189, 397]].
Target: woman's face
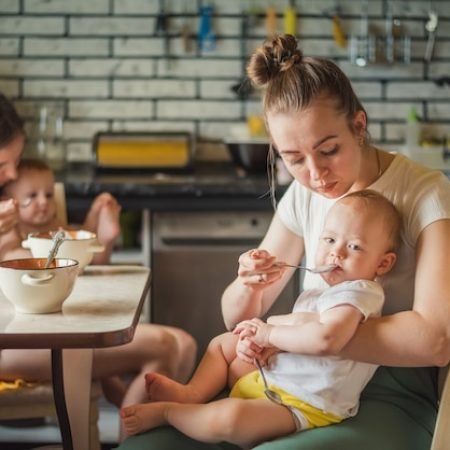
[[318, 147], [10, 156]]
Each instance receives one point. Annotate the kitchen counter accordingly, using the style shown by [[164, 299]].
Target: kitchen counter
[[207, 186]]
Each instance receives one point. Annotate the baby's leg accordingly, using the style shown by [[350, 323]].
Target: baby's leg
[[209, 379], [108, 227], [241, 422], [104, 220]]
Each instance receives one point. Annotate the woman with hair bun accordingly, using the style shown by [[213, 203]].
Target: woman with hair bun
[[319, 128]]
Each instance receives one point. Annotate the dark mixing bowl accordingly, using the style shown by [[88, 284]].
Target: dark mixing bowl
[[251, 156]]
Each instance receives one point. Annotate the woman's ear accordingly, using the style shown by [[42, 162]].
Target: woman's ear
[[386, 263], [360, 124], [360, 120]]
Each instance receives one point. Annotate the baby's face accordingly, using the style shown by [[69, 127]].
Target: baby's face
[[36, 190], [355, 241]]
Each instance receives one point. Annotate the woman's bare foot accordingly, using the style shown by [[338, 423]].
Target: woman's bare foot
[[161, 388], [144, 416]]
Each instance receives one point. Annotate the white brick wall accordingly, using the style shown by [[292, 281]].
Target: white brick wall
[[103, 64]]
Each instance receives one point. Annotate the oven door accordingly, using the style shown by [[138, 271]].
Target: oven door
[[194, 257]]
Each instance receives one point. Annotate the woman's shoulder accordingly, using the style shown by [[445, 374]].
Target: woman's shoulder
[[410, 179], [410, 170], [421, 194]]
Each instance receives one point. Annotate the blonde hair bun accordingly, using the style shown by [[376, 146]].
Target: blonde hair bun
[[276, 55]]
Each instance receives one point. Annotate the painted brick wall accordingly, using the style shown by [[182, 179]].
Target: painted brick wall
[[105, 66]]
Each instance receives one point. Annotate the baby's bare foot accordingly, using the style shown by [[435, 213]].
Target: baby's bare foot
[[142, 417], [108, 227], [161, 388]]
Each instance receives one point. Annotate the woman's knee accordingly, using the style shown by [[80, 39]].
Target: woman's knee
[[187, 345]]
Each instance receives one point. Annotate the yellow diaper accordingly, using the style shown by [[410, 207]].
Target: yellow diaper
[[252, 386]]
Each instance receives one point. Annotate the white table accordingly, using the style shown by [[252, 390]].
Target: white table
[[102, 311]]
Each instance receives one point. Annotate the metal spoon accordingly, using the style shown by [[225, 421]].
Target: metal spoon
[[269, 393], [318, 269], [57, 240], [26, 202]]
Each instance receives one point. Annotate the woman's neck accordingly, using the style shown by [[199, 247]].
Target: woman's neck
[[375, 162]]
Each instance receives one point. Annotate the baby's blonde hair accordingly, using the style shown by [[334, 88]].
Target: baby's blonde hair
[[385, 211]]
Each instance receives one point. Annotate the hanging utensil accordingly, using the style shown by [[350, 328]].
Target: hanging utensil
[[290, 20], [207, 39], [161, 29], [186, 32], [431, 27], [271, 22], [243, 87], [337, 29], [338, 32], [363, 54]]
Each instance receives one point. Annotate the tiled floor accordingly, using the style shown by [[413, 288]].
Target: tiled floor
[[21, 438]]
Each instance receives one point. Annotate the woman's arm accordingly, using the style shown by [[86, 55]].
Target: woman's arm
[[420, 337], [247, 297], [10, 239]]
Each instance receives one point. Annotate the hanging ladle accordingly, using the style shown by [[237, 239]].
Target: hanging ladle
[[57, 240], [269, 393], [431, 27]]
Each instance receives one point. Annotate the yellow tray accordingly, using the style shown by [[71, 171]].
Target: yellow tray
[[151, 151]]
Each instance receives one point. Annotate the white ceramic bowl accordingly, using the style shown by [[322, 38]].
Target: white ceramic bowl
[[33, 289], [78, 244]]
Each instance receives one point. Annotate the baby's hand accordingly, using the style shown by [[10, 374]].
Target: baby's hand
[[245, 348], [256, 331], [265, 357], [247, 351]]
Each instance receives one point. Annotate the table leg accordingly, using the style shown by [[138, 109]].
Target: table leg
[[71, 372]]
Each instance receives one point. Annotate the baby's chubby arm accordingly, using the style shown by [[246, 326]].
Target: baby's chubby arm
[[326, 334], [296, 318]]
